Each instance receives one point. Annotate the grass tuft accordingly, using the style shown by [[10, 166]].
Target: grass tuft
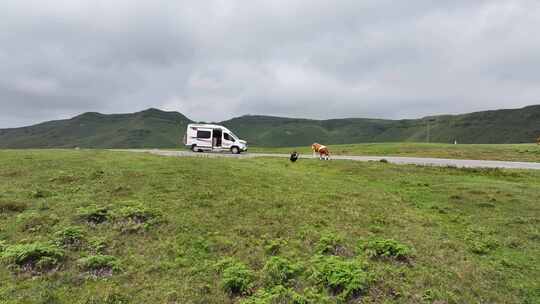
[[93, 214], [34, 221], [237, 278], [330, 243], [280, 271], [385, 248], [33, 257], [136, 218], [70, 237], [481, 241], [273, 247], [343, 278], [99, 265], [97, 245]]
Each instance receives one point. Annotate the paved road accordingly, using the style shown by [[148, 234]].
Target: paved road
[[466, 163]]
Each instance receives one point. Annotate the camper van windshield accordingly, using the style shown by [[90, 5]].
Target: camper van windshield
[[234, 135]]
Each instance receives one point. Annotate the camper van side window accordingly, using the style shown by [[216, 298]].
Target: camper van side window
[[228, 137], [203, 134]]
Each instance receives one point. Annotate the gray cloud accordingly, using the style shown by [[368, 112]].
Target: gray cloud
[[212, 60]]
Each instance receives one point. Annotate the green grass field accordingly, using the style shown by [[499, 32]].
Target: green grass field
[[112, 227], [510, 152]]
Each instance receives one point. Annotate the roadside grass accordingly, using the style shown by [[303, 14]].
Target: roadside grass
[[509, 152], [138, 228]]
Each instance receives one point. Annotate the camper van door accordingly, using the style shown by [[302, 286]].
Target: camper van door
[[228, 140], [204, 138]]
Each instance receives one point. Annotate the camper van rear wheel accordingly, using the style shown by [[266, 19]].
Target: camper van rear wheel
[[235, 150]]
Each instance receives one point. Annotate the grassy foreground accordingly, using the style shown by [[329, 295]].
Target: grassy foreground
[[111, 227], [510, 152]]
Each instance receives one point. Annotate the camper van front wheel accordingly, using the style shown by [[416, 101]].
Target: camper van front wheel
[[194, 148], [235, 150]]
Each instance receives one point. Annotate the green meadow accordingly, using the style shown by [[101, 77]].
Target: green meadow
[[509, 152], [92, 226]]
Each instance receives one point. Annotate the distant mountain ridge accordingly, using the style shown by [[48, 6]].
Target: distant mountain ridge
[[155, 128]]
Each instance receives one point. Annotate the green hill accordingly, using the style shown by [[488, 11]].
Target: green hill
[[488, 127], [149, 128], [160, 129]]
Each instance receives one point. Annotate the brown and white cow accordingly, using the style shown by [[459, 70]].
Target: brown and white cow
[[322, 150]]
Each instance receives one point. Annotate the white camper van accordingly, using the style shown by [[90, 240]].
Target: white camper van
[[207, 137]]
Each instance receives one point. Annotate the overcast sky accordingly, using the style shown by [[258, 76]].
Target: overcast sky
[[213, 60]]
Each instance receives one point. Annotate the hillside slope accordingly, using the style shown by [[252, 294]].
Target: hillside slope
[[149, 128], [487, 127], [154, 128]]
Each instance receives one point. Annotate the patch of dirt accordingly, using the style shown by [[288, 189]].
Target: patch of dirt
[[380, 293], [12, 173], [342, 251], [485, 205], [12, 206], [64, 179], [100, 273], [30, 269]]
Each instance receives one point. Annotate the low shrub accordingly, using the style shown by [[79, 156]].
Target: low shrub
[[33, 256], [314, 296], [330, 244], [483, 246], [135, 218], [12, 206], [279, 271], [35, 221], [344, 278], [237, 278], [70, 237], [272, 247], [97, 245], [100, 265], [276, 294], [386, 248], [224, 263], [93, 214], [138, 214], [480, 240]]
